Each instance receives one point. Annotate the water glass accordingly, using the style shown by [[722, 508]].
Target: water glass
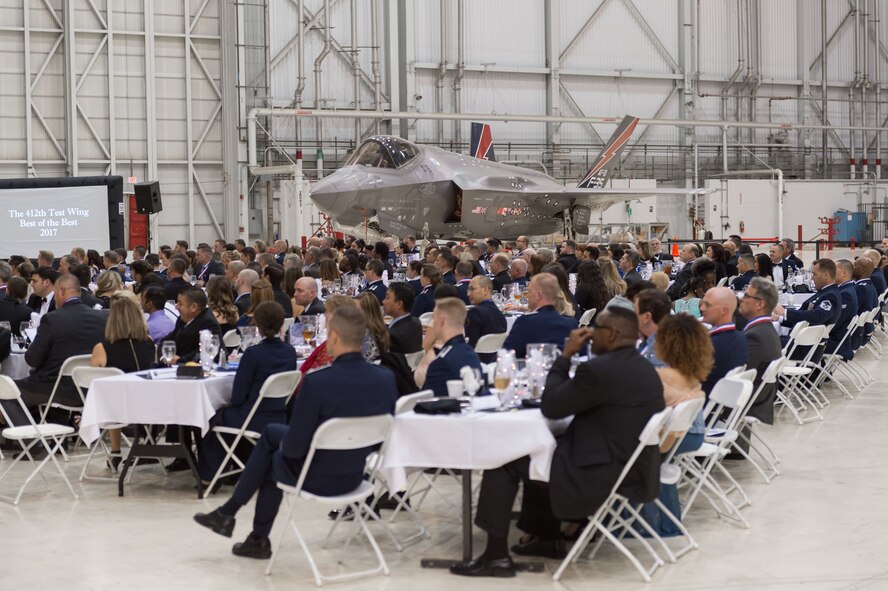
[[168, 352], [249, 337]]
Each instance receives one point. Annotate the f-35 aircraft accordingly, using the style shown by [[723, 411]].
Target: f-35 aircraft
[[424, 190]]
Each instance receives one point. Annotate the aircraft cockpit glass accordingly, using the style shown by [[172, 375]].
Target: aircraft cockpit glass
[[384, 152]]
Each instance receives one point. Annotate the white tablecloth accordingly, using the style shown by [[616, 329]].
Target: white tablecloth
[[132, 399], [510, 321], [478, 441], [15, 366]]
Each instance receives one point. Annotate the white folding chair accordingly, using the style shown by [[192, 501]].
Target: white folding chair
[[831, 362], [65, 372], [729, 396], [413, 359], [490, 343], [792, 393], [338, 435], [682, 418], [231, 339], [587, 317], [770, 460], [279, 385], [28, 436], [426, 318], [83, 378], [609, 515], [722, 282]]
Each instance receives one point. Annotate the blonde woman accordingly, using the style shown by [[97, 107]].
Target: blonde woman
[[612, 280], [106, 284], [126, 346]]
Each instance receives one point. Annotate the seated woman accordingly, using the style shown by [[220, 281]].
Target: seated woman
[[106, 284], [690, 303], [260, 293], [127, 347], [683, 344], [376, 343], [221, 303], [260, 361]]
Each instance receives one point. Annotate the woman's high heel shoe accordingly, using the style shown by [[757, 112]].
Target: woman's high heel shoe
[[114, 460]]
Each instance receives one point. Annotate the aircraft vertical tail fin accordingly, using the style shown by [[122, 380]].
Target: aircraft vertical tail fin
[[482, 142], [610, 155]]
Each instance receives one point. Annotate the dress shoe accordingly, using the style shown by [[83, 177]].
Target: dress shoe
[[253, 548], [389, 502], [217, 521], [482, 567], [114, 460], [538, 547], [178, 465], [348, 514]]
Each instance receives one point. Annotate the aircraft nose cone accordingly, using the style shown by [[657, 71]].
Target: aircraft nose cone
[[325, 186]]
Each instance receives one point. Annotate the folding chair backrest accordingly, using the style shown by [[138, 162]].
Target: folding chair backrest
[[83, 376], [684, 413], [797, 329], [747, 374], [773, 370], [347, 434], [280, 385], [10, 391], [810, 336], [650, 435], [722, 282], [408, 402], [587, 317], [426, 318], [871, 315], [231, 339], [413, 359], [490, 343], [862, 319], [731, 394], [74, 361], [735, 371]]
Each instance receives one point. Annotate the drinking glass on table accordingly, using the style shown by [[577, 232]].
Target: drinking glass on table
[[249, 337], [309, 328], [168, 352], [516, 293]]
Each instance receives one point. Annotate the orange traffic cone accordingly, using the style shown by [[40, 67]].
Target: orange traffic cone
[[674, 246]]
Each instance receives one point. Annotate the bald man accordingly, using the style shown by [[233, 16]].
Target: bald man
[[243, 285], [867, 296], [518, 272], [544, 324], [877, 276], [306, 295], [718, 306]]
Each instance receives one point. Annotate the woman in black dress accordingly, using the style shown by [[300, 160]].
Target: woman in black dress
[[126, 346], [591, 289]]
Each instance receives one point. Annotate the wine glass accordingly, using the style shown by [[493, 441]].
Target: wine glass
[[516, 293], [211, 349], [502, 377], [168, 352], [309, 329], [249, 337]]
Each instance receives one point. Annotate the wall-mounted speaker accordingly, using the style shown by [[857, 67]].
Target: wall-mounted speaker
[[148, 197]]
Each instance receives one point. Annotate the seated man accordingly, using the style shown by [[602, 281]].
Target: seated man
[[821, 309], [373, 273], [850, 306], [260, 361], [867, 296], [651, 307], [746, 268], [71, 329], [159, 324], [543, 324], [243, 286], [499, 268], [405, 330], [518, 272], [463, 274], [337, 391], [194, 316], [42, 284], [762, 342], [436, 367], [305, 292], [274, 274], [611, 397], [717, 307], [484, 317], [175, 279]]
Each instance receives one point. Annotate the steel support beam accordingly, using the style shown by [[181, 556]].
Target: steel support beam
[[552, 24]]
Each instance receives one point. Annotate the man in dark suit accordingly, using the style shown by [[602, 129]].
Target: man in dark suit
[[612, 397], [414, 271], [867, 296], [437, 367], [463, 274], [689, 253], [446, 263], [82, 273], [762, 342], [568, 256], [175, 279], [629, 265], [543, 324], [518, 272], [194, 316], [789, 253], [205, 266], [849, 305], [42, 284], [822, 309], [12, 310], [71, 329], [337, 391], [657, 253], [484, 317], [782, 265], [305, 292], [5, 274], [274, 274], [746, 268], [373, 274], [499, 268], [717, 307], [243, 286], [405, 331]]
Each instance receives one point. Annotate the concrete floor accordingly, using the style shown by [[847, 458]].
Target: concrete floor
[[820, 526]]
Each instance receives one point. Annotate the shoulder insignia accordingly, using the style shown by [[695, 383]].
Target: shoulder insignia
[[826, 305]]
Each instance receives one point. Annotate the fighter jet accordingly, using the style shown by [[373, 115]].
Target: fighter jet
[[424, 190]]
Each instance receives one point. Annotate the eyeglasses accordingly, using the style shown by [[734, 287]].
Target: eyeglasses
[[746, 296]]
